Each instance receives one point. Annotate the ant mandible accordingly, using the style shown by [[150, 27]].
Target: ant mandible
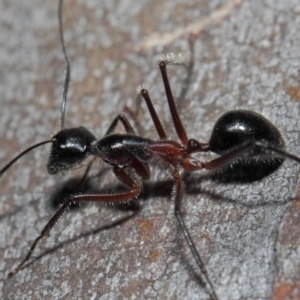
[[242, 138]]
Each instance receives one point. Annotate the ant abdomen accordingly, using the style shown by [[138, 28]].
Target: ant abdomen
[[236, 127]]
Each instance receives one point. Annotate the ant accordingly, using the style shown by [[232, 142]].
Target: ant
[[243, 139]]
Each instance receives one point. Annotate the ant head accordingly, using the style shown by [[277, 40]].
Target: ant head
[[70, 147]]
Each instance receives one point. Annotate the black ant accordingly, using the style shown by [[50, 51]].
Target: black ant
[[243, 139]]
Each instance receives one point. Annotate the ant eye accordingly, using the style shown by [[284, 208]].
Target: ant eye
[[59, 147]]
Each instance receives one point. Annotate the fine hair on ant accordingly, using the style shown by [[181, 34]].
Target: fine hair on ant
[[244, 141]]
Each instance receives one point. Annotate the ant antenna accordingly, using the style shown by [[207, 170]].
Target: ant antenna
[[68, 67], [5, 168], [64, 96]]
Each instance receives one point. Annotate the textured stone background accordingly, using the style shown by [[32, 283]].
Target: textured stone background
[[247, 234]]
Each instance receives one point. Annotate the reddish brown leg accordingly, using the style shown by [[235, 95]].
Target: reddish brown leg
[[124, 122], [122, 197], [86, 172], [191, 164], [174, 113], [141, 168], [178, 199], [159, 128], [228, 157]]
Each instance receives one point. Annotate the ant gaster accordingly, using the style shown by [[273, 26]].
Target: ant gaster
[[242, 138]]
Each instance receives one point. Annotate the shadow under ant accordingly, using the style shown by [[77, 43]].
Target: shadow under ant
[[193, 186], [83, 235], [163, 189]]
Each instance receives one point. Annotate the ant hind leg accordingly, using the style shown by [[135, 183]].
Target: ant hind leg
[[179, 191]]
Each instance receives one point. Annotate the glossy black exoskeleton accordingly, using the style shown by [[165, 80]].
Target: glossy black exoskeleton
[[70, 147], [123, 149], [237, 127]]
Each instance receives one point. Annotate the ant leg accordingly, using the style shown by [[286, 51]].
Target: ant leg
[[159, 128], [191, 164], [229, 156], [141, 168], [128, 127], [84, 177], [178, 214], [124, 122], [174, 113], [121, 197]]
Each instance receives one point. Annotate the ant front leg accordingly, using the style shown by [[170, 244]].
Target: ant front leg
[[158, 126], [116, 198], [174, 113]]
